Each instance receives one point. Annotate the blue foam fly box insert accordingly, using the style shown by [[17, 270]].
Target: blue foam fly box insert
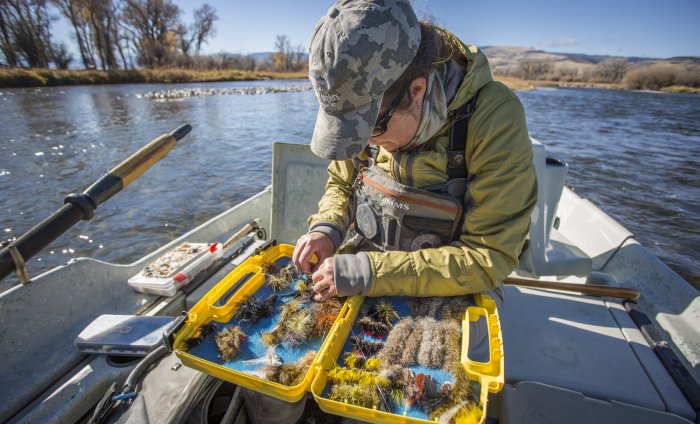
[[253, 352], [400, 305]]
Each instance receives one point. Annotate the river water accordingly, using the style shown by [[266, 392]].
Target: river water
[[634, 154]]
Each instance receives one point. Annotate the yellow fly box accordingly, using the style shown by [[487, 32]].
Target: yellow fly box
[[482, 378], [221, 309]]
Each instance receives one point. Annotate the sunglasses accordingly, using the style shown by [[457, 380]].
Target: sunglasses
[[380, 125]]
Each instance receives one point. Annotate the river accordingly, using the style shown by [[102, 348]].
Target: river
[[634, 154]]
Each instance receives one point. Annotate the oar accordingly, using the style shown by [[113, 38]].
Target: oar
[[592, 289], [82, 206]]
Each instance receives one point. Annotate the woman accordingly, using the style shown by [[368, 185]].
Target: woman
[[428, 221], [441, 200]]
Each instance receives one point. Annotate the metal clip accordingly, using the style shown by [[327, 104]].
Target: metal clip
[[20, 265], [124, 396]]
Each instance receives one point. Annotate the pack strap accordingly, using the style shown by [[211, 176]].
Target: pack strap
[[372, 153], [456, 152]]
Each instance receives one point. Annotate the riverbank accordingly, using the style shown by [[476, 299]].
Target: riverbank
[[15, 78], [517, 84], [18, 77]]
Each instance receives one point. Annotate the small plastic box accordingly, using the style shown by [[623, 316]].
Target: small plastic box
[[131, 335], [181, 274], [219, 305]]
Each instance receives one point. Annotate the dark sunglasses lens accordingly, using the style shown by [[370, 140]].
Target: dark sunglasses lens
[[380, 126]]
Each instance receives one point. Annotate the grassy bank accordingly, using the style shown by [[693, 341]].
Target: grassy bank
[[53, 77], [517, 84]]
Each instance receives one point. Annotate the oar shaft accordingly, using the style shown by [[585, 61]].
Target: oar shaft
[[592, 289], [126, 172], [81, 207], [36, 239]]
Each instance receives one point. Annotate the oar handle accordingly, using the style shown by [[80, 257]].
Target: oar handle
[[81, 206], [592, 289]]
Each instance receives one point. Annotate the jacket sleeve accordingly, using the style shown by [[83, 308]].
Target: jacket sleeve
[[332, 218], [503, 194]]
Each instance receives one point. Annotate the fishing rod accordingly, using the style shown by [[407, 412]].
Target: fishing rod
[[78, 207], [590, 289]]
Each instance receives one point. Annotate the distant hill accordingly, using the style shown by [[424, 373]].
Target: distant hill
[[500, 56], [505, 58], [574, 69], [259, 56]]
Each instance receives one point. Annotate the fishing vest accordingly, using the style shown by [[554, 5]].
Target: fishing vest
[[393, 216]]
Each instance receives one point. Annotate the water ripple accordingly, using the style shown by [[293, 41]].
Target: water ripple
[[183, 93]]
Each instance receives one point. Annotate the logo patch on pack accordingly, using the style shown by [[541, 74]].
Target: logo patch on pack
[[395, 203]]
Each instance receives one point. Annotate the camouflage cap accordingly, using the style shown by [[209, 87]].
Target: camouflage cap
[[358, 49]]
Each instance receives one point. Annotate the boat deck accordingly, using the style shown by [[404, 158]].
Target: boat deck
[[568, 357]]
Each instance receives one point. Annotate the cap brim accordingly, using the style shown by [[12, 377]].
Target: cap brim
[[341, 137]]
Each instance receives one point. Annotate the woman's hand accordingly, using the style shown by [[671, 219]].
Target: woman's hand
[[310, 245], [324, 281]]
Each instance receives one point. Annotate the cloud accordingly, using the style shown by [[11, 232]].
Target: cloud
[[561, 42]]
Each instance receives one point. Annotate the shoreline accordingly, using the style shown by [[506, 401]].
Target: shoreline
[[517, 84], [28, 78]]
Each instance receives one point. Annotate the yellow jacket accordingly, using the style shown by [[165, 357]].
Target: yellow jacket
[[503, 190]]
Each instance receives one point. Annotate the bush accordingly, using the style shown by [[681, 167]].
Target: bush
[[660, 75], [14, 77], [535, 69], [609, 71]]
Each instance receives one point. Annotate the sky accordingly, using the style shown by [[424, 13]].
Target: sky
[[639, 28]]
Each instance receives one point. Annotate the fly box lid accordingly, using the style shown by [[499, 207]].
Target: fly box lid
[[131, 335]]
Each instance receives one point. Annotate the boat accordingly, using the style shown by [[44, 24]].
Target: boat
[[569, 356]]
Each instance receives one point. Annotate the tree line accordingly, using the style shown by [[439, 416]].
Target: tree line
[[123, 34]]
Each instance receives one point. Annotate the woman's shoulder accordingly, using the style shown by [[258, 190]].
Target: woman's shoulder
[[496, 91]]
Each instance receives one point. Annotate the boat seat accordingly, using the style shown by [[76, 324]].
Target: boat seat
[[545, 254], [530, 402], [584, 344]]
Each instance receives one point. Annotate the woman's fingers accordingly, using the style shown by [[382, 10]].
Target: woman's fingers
[[310, 245], [303, 252], [324, 280]]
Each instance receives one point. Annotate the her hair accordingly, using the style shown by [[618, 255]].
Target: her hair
[[437, 46]]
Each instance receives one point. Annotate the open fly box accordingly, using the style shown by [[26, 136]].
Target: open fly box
[[376, 396], [257, 360]]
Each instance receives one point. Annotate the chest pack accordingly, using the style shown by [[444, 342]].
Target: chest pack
[[393, 216]]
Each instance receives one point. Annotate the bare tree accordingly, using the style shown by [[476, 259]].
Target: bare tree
[[298, 58], [75, 11], [102, 20], [282, 56], [154, 24], [612, 70], [7, 45], [535, 69], [184, 41], [96, 30], [25, 31], [61, 57], [203, 26]]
